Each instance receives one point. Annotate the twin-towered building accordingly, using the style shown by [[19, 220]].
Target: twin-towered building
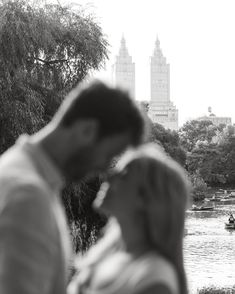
[[161, 109]]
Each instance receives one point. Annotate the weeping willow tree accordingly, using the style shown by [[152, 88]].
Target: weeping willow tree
[[45, 49]]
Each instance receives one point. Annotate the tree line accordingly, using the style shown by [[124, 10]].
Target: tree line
[[210, 153], [206, 151]]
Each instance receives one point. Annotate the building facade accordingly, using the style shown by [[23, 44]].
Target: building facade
[[217, 120], [161, 109], [124, 69]]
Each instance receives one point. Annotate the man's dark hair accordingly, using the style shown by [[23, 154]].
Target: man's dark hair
[[113, 108]]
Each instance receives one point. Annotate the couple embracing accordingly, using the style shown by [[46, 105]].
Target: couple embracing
[[145, 198]]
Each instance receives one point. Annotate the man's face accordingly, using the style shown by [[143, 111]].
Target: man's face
[[95, 158]]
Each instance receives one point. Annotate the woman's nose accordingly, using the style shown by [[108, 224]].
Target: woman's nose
[[104, 188]]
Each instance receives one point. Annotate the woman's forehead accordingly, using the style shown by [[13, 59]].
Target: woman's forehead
[[124, 164], [134, 161]]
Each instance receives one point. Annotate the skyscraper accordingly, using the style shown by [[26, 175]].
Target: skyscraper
[[124, 69], [161, 109]]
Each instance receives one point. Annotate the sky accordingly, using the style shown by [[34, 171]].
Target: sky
[[197, 37]]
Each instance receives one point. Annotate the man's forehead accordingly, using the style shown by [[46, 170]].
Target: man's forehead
[[114, 145]]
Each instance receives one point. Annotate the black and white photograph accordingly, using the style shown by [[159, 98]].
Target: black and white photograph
[[117, 147]]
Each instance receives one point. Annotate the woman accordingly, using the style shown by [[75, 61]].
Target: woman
[[141, 250]]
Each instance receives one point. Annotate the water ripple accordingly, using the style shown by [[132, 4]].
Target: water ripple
[[209, 249]]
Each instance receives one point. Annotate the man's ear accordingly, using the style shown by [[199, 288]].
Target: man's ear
[[85, 131]]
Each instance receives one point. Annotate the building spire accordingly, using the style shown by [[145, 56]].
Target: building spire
[[124, 69], [123, 49], [123, 39], [157, 43], [161, 108], [157, 50]]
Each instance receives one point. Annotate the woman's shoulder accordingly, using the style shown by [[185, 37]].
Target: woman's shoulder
[[107, 276], [145, 274], [155, 288], [153, 269]]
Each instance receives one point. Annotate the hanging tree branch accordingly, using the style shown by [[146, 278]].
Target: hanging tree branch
[[49, 62]]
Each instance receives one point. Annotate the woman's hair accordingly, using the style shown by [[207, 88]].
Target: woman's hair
[[164, 189]]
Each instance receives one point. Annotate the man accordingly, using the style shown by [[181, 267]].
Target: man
[[231, 219], [94, 124]]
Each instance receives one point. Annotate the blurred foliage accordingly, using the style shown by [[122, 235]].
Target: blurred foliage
[[205, 150], [84, 221], [195, 131], [144, 105], [210, 152], [217, 290], [199, 187], [169, 140], [46, 49]]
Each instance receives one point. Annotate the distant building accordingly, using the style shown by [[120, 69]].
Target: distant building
[[161, 109], [124, 69], [216, 120]]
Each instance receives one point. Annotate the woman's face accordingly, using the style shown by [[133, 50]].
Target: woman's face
[[118, 195]]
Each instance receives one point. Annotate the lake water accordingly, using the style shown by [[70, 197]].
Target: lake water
[[209, 249]]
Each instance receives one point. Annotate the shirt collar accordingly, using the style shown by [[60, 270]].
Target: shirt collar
[[45, 166]]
